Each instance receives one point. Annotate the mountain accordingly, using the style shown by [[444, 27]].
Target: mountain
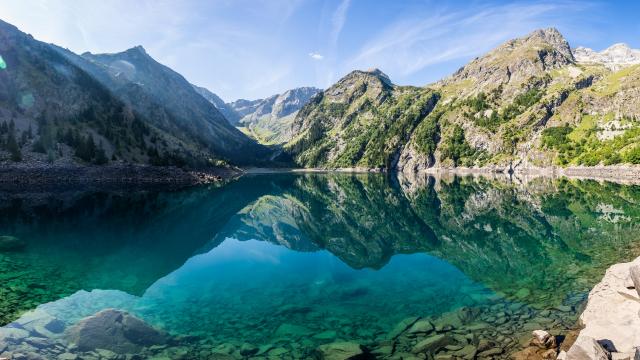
[[53, 111], [170, 102], [528, 103], [269, 120], [361, 121], [614, 57], [227, 111], [59, 107]]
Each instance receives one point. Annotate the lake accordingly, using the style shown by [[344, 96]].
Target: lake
[[278, 266]]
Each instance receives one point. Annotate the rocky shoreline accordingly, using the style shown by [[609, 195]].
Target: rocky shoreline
[[34, 177], [611, 319], [628, 174], [622, 174]]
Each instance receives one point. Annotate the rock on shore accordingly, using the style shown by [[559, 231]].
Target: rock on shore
[[611, 318]]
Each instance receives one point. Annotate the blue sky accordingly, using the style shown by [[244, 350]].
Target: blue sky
[[255, 48]]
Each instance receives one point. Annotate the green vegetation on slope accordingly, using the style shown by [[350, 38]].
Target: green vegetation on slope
[[581, 145], [366, 131]]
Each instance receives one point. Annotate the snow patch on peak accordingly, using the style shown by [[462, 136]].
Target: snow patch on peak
[[614, 57]]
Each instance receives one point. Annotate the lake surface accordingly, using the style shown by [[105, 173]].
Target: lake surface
[[276, 266]]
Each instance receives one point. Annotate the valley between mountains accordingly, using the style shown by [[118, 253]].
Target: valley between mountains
[[532, 103]]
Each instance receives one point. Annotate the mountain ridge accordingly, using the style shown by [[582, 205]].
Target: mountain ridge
[[532, 102], [526, 104]]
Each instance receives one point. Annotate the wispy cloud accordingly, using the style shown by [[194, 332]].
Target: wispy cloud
[[337, 22], [412, 44], [316, 56]]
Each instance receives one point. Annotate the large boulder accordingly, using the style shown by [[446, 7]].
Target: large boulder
[[612, 310], [586, 348], [11, 243], [116, 331]]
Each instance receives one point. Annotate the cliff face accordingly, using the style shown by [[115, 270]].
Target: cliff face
[[527, 103]]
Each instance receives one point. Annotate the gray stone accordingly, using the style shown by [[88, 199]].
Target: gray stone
[[543, 340], [13, 334], [67, 356], [491, 352], [39, 343], [339, 351], [383, 351], [401, 327], [264, 349], [106, 354], [563, 308], [468, 352], [621, 356], [432, 344], [448, 321], [422, 327], [586, 348], [634, 272], [116, 331]]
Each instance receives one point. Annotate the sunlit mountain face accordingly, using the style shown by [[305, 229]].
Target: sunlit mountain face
[[286, 263]]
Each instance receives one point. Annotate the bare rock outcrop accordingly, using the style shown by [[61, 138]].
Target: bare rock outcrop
[[611, 318]]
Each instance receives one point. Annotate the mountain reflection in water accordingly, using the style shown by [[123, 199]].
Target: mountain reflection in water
[[277, 259]]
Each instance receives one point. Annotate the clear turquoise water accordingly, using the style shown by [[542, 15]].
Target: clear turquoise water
[[296, 261]]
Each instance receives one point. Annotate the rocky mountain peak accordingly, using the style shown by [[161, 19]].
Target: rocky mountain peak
[[552, 37], [292, 100], [137, 51], [515, 62], [614, 57], [378, 73]]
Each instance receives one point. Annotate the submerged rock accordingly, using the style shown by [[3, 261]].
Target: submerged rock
[[421, 327], [11, 243], [13, 334], [247, 349], [339, 351], [432, 344], [116, 331], [401, 327]]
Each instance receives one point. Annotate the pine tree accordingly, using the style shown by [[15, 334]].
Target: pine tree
[[13, 148], [100, 155]]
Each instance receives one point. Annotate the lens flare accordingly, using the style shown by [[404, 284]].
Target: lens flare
[[3, 65], [27, 100]]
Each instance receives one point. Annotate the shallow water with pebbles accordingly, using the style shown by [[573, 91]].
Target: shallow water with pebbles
[[291, 266]]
